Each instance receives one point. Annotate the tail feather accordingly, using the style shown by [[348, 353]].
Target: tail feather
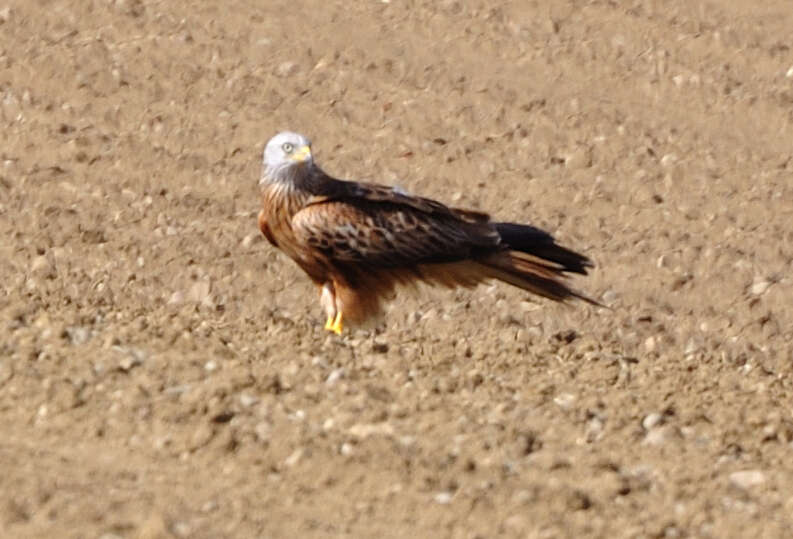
[[538, 243], [530, 276], [534, 262]]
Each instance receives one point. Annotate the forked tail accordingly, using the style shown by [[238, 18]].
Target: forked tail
[[534, 262]]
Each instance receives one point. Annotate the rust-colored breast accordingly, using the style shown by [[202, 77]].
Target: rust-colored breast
[[266, 229]]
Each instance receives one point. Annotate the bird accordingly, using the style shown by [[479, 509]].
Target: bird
[[359, 241]]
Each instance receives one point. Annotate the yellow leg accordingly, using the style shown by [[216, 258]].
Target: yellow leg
[[329, 323], [336, 326]]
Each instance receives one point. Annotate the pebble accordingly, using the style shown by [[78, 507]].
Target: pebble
[[287, 69], [692, 347], [209, 506], [41, 265], [564, 401], [247, 400], [747, 478], [133, 358], [294, 458], [609, 297], [652, 420], [250, 239], [443, 498], [78, 335], [668, 160], [789, 73], [760, 286], [334, 376]]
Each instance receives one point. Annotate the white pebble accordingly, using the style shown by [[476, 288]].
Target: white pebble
[[248, 400], [652, 420], [564, 400], [747, 478], [334, 376], [287, 69], [759, 287], [294, 458], [443, 498]]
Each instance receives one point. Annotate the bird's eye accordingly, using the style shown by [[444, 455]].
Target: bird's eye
[[287, 147]]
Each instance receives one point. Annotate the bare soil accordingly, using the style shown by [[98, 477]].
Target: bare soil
[[164, 371]]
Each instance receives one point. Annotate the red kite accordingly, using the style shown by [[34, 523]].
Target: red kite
[[357, 241]]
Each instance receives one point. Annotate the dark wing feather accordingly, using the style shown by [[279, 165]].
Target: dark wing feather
[[386, 230]]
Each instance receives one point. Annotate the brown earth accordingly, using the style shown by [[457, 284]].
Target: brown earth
[[164, 372]]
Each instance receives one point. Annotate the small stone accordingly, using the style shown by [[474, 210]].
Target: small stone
[[668, 160], [287, 69], [747, 478], [609, 297], [649, 344], [176, 298], [78, 335], [247, 400], [250, 239], [346, 449], [692, 347], [209, 506], [133, 358], [5, 15], [443, 498], [335, 376], [789, 73], [652, 420], [294, 458], [41, 266], [211, 365], [564, 401], [760, 286]]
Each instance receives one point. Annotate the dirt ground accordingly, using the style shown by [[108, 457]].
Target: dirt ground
[[164, 372]]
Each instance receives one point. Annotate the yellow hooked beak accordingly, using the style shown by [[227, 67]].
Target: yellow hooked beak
[[301, 155]]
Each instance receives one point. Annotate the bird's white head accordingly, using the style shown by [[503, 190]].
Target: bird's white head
[[285, 155]]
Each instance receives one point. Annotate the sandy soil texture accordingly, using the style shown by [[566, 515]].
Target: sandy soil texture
[[164, 372]]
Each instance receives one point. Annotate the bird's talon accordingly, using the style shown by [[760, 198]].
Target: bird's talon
[[329, 324]]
